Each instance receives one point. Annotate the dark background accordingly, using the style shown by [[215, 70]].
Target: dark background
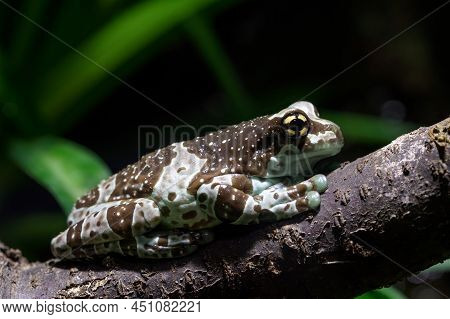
[[228, 62]]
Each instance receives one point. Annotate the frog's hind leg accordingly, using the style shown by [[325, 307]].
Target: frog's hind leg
[[107, 222], [86, 204], [153, 245]]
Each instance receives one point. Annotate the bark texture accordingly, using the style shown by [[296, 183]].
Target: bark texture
[[382, 214]]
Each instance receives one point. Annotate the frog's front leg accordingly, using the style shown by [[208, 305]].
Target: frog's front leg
[[107, 222], [230, 199]]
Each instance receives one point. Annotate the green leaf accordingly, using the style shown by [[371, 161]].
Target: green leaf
[[384, 293], [105, 51], [66, 169]]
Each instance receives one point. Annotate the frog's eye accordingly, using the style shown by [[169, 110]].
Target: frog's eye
[[297, 125]]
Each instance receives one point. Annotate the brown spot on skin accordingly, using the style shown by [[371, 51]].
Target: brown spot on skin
[[203, 206], [227, 209], [92, 233], [276, 196], [286, 207], [301, 205], [196, 182], [189, 215], [87, 226], [74, 235], [257, 208], [296, 191], [163, 241], [121, 225], [171, 196], [202, 197], [242, 183], [182, 168], [292, 193], [301, 189], [89, 199], [99, 223]]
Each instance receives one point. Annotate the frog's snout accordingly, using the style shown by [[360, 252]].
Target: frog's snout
[[339, 136]]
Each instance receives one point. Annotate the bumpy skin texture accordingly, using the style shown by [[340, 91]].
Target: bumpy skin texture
[[165, 204]]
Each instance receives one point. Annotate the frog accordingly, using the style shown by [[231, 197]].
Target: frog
[[168, 203]]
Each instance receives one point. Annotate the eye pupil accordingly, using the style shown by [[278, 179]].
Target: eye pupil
[[297, 124]]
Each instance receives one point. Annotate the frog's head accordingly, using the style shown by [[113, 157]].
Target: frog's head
[[307, 139], [288, 143], [293, 141]]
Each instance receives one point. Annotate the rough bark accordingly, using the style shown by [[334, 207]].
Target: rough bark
[[382, 214]]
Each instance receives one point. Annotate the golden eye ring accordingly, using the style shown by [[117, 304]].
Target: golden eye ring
[[297, 125]]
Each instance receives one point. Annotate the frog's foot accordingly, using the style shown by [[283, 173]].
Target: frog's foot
[[316, 183], [310, 190], [274, 212], [106, 223], [231, 203]]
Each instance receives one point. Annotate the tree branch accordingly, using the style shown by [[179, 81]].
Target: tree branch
[[384, 215]]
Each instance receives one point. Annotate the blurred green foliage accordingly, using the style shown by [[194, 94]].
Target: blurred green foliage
[[107, 48], [66, 169], [383, 293], [70, 67]]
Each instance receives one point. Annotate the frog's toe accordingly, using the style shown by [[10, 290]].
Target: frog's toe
[[320, 182], [313, 199]]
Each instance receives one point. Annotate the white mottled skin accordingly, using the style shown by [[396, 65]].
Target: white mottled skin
[[172, 181], [165, 205]]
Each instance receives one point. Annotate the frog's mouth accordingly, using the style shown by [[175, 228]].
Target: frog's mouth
[[291, 161]]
